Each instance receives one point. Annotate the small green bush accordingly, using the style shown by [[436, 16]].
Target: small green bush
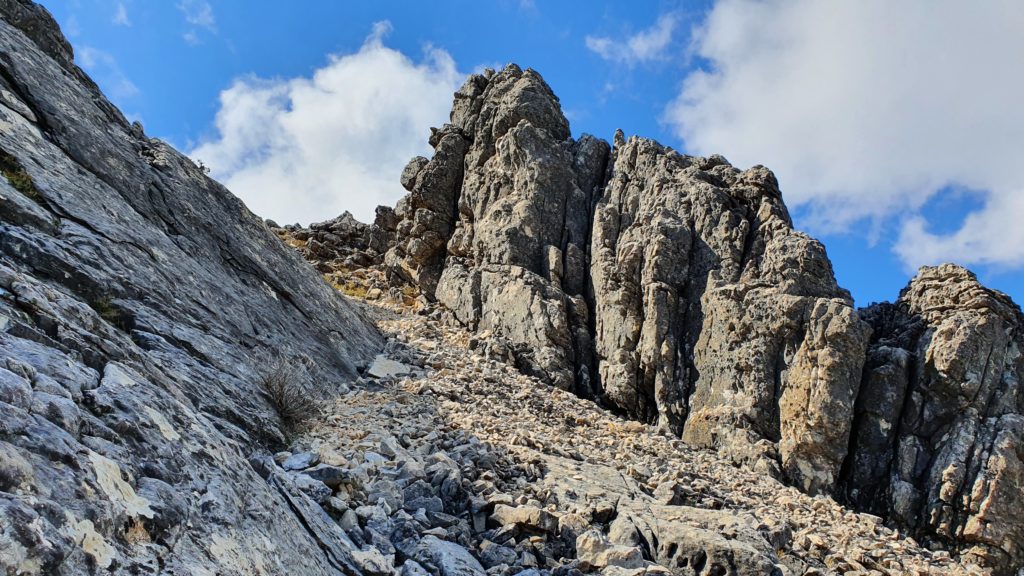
[[18, 177], [112, 313]]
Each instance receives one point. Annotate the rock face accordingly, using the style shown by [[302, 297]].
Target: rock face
[[672, 287], [140, 304], [938, 443], [715, 318], [497, 223]]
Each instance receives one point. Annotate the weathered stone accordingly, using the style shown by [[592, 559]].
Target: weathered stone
[[448, 558], [332, 476], [413, 568], [300, 461], [529, 517], [492, 554], [383, 367], [939, 427], [141, 305], [15, 390], [315, 489], [595, 551]]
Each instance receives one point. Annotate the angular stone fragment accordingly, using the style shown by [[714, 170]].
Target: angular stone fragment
[[524, 516], [448, 558]]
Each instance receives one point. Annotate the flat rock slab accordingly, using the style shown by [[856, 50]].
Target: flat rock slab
[[384, 367]]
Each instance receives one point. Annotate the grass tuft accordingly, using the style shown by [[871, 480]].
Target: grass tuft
[[18, 176], [293, 393], [349, 288], [113, 313]]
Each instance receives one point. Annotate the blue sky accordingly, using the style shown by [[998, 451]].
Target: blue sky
[[893, 146]]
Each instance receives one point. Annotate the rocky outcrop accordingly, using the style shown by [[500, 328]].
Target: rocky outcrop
[[715, 318], [140, 305], [672, 287], [342, 242], [497, 223], [938, 443]]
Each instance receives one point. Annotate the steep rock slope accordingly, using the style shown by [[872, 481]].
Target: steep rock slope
[[140, 303]]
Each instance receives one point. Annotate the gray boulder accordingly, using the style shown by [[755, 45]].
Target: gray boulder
[[445, 558]]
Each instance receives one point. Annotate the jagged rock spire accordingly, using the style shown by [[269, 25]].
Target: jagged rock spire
[[623, 276]]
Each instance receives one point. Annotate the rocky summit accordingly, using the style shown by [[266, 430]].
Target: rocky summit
[[554, 357]]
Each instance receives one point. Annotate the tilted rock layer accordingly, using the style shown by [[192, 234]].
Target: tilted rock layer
[[140, 304], [674, 289]]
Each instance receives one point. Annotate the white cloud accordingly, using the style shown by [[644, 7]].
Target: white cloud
[[199, 16], [121, 15], [645, 46], [198, 13], [107, 72], [868, 109], [307, 149]]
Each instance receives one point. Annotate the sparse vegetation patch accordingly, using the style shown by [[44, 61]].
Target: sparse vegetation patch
[[293, 391], [18, 177]]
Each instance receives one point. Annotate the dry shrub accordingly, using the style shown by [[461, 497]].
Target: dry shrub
[[293, 391]]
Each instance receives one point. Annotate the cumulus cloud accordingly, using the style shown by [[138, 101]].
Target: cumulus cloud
[[644, 46], [867, 110], [307, 149]]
